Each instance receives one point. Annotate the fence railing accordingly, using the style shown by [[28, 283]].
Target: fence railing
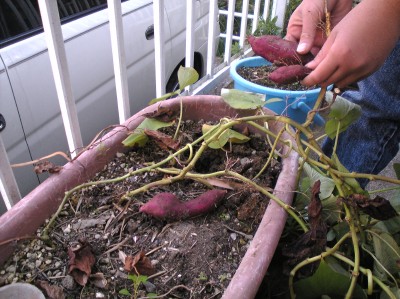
[[214, 74]]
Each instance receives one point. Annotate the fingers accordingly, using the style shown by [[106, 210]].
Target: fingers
[[310, 21]]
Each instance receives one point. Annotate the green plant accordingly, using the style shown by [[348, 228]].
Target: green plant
[[137, 281]]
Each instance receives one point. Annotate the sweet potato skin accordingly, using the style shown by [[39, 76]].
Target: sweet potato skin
[[289, 74], [277, 50], [166, 206]]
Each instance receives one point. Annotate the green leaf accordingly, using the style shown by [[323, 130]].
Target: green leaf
[[327, 184], [151, 295], [330, 279], [187, 76], [124, 292], [138, 137], [239, 99], [342, 112], [228, 135], [386, 251], [396, 167]]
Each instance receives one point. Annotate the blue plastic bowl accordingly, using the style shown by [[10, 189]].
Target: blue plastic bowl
[[294, 104]]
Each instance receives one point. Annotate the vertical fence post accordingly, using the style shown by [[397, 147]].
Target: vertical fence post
[[256, 14], [212, 23], [189, 57], [229, 31], [118, 53], [158, 12], [279, 9], [8, 186], [266, 9], [243, 23], [58, 59]]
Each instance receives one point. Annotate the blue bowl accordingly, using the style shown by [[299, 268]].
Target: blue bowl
[[294, 104]]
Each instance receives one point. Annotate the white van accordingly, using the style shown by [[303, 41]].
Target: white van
[[28, 100]]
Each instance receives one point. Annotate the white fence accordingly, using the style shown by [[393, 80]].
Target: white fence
[[52, 28]]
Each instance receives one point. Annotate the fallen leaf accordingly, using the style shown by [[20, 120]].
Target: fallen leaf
[[81, 260], [139, 264], [163, 113], [46, 166], [52, 291], [164, 141]]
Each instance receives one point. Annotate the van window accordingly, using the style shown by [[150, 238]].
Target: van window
[[21, 18]]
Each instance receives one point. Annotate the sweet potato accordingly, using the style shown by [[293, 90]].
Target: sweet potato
[[166, 206], [289, 74], [277, 50]]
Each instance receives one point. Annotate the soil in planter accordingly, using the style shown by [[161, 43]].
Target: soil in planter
[[259, 75], [193, 258]]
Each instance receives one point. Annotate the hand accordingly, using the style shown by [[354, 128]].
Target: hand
[[358, 45], [306, 25]]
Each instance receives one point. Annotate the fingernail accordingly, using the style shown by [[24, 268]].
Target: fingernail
[[301, 47]]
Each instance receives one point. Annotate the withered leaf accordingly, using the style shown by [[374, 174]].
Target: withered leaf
[[312, 242], [163, 114], [51, 291], [164, 141], [46, 166], [378, 208], [139, 264], [81, 260]]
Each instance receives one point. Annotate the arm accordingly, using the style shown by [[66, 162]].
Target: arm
[[358, 45]]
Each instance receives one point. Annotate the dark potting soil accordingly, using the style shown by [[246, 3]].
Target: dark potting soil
[[191, 258], [259, 75]]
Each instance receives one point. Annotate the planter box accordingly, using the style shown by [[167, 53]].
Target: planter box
[[32, 211]]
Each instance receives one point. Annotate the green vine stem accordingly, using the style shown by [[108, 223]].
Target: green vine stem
[[333, 252]]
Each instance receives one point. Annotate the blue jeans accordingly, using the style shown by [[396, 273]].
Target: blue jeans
[[370, 143]]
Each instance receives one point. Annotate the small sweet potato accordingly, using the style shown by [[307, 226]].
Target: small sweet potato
[[289, 74], [277, 50], [166, 206]]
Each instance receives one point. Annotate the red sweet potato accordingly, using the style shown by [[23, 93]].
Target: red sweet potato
[[166, 206], [277, 50], [289, 74]]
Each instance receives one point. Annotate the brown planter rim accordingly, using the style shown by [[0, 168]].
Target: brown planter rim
[[32, 211]]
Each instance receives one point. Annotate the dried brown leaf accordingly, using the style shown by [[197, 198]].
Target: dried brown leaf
[[164, 141], [51, 291], [378, 208], [139, 264], [81, 260], [98, 280], [46, 166], [163, 114]]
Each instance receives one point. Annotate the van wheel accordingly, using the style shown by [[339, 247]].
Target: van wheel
[[173, 83]]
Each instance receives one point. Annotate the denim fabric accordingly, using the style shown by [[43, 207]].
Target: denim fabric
[[369, 144]]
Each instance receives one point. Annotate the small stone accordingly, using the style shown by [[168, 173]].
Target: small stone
[[28, 275], [48, 262], [2, 272], [68, 282], [233, 236], [38, 263], [100, 295], [15, 280], [97, 236], [150, 288], [57, 264], [10, 277], [119, 155], [11, 269]]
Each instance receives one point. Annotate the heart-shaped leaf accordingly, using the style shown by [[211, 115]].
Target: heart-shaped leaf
[[187, 76], [228, 135], [239, 99]]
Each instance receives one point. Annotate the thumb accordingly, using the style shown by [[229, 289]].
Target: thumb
[[306, 42]]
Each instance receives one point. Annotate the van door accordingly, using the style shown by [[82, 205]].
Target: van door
[[88, 49], [13, 136]]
